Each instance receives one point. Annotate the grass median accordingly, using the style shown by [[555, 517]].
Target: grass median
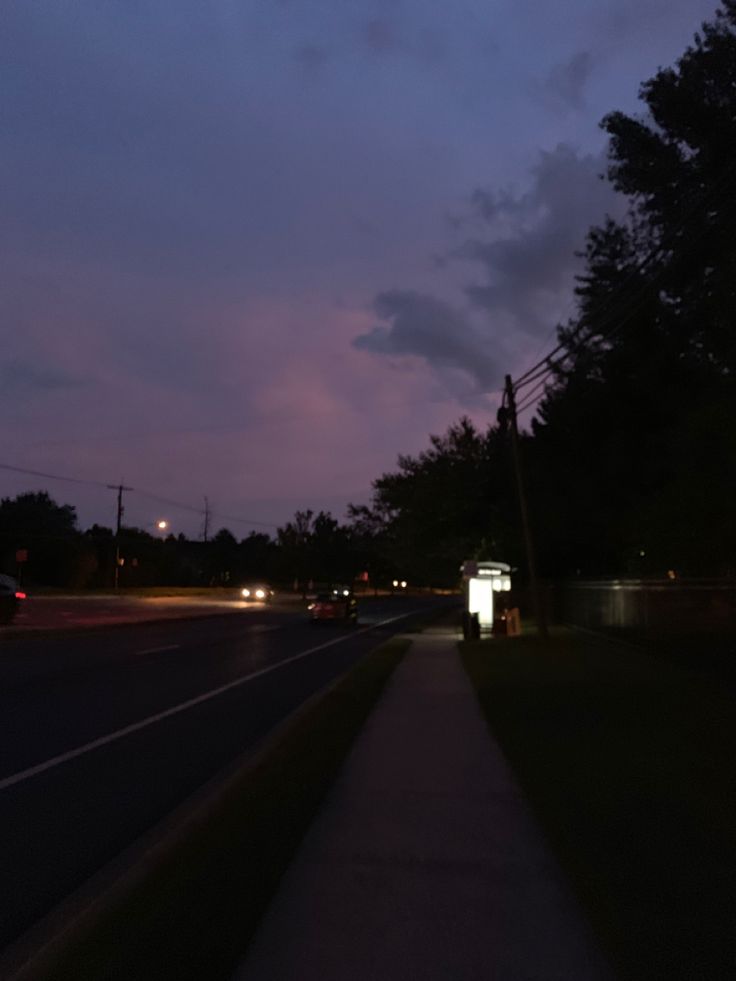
[[628, 764], [192, 915]]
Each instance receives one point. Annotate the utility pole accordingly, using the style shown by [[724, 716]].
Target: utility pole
[[206, 518], [537, 604], [119, 488]]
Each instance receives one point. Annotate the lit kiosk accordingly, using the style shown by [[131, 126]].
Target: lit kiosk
[[484, 584]]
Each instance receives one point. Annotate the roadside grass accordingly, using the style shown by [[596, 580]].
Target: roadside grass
[[194, 912], [629, 765]]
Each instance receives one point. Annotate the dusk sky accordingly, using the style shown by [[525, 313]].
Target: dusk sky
[[255, 250]]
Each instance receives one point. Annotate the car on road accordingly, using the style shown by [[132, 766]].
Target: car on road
[[10, 598], [256, 593], [336, 605]]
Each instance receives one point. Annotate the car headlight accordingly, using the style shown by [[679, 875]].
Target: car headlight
[[245, 593], [260, 594]]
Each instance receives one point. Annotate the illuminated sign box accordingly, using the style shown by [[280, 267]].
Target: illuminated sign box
[[481, 580]]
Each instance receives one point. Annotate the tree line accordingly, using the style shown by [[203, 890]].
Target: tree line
[[630, 459]]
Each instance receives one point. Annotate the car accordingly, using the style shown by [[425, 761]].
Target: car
[[256, 593], [337, 604], [10, 598]]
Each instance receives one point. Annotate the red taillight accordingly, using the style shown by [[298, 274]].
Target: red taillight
[[20, 595]]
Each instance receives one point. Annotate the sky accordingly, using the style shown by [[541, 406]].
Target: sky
[[252, 250]]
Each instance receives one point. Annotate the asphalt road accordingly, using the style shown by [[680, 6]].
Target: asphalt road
[[104, 733]]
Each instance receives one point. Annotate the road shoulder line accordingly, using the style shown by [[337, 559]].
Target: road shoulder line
[[111, 737]]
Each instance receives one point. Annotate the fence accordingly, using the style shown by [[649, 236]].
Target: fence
[[647, 605]]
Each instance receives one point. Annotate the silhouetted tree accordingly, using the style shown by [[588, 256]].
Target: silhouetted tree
[[47, 530], [634, 447], [446, 504]]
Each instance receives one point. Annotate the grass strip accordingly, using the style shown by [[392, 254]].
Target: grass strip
[[195, 912], [628, 764]]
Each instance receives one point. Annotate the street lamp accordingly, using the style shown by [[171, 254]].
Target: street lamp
[[162, 525]]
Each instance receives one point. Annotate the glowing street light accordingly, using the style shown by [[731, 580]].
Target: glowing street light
[[162, 525]]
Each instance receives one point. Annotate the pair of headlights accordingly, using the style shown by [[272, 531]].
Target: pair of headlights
[[253, 593]]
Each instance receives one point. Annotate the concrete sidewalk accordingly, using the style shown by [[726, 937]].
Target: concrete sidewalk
[[424, 861]]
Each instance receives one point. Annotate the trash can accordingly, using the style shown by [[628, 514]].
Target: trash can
[[471, 626], [507, 623]]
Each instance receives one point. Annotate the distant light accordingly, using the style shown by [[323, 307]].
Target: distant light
[[162, 525], [260, 594], [642, 553], [395, 583], [506, 583], [19, 595], [671, 574], [245, 593], [346, 592], [403, 583]]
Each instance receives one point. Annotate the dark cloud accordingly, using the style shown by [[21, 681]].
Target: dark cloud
[[429, 328], [18, 376], [623, 20], [386, 36], [527, 242], [565, 84], [180, 206], [379, 35], [311, 57]]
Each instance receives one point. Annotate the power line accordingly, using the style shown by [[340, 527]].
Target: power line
[[530, 398], [134, 490], [168, 502], [546, 363], [205, 511], [53, 476], [244, 521]]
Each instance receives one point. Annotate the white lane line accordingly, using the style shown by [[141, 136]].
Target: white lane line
[[157, 650], [33, 771]]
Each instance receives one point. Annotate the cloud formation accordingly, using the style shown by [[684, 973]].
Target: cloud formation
[[195, 208], [528, 242], [311, 57], [25, 377], [525, 244], [426, 327], [565, 85]]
